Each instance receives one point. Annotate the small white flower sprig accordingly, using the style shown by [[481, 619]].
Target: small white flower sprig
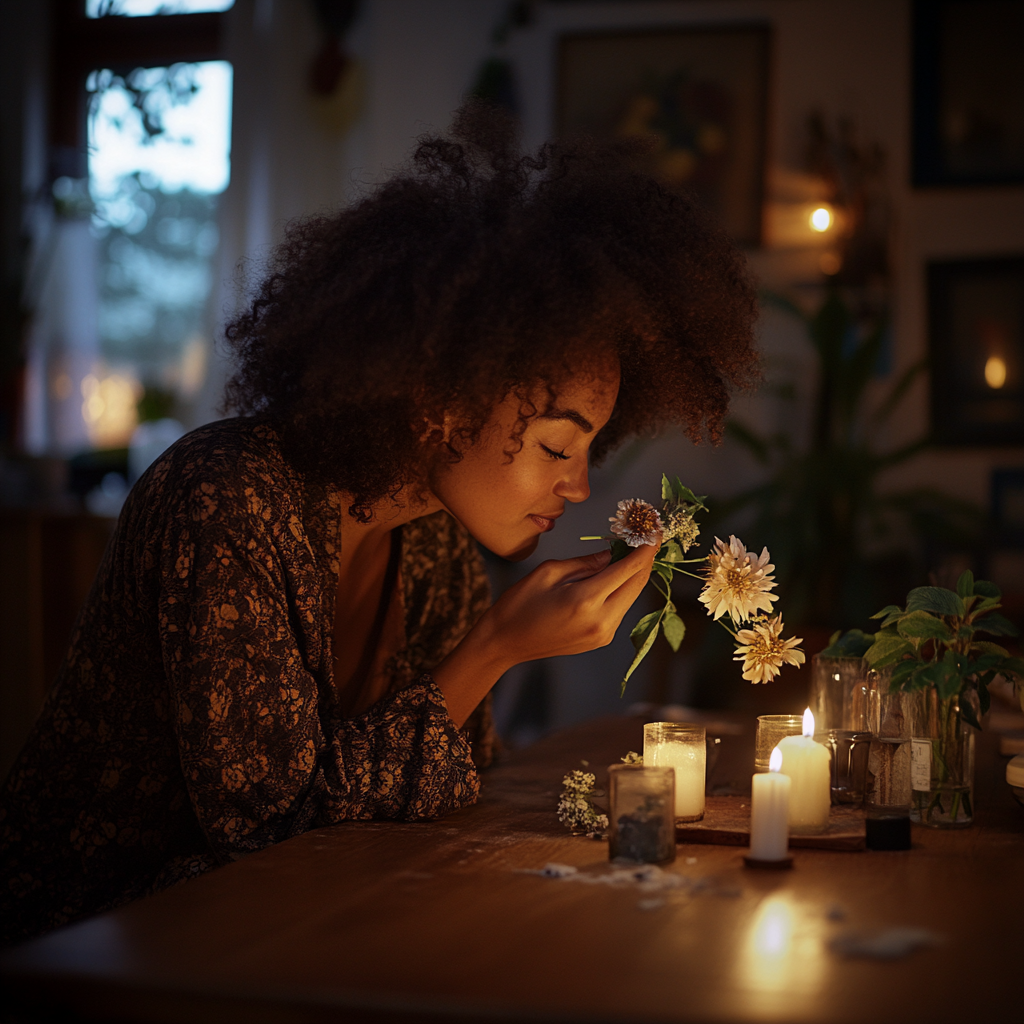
[[576, 808], [737, 583]]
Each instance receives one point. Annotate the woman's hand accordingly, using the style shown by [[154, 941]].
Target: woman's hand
[[562, 607]]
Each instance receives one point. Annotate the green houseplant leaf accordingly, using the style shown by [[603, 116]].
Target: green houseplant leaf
[[937, 600]]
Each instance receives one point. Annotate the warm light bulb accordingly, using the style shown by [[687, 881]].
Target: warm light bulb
[[808, 727], [821, 219], [775, 761], [995, 372]]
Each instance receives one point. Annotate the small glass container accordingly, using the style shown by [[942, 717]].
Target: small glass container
[[771, 729], [888, 793], [682, 747], [839, 693], [641, 801], [849, 752]]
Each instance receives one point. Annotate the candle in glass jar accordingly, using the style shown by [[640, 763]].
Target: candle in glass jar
[[769, 812], [680, 745], [807, 765]]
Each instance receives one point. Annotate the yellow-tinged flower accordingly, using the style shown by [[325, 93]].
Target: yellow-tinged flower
[[738, 582], [763, 651], [678, 523], [637, 522]]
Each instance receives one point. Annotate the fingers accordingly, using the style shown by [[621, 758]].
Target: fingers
[[636, 564], [571, 570]]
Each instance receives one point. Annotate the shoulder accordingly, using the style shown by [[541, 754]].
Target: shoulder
[[439, 538], [221, 470]]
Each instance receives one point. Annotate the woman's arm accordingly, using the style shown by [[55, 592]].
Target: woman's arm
[[259, 762]]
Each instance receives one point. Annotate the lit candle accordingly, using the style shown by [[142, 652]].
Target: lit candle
[[679, 745], [807, 764], [769, 812]]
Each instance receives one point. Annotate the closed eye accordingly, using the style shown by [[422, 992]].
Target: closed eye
[[554, 454]]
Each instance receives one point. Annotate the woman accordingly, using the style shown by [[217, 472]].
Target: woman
[[291, 625]]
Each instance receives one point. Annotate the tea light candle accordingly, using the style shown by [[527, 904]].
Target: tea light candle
[[807, 765], [679, 745], [769, 812]]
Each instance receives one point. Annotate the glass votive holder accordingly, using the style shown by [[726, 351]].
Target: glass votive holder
[[771, 729], [849, 752], [839, 693], [682, 747], [642, 825]]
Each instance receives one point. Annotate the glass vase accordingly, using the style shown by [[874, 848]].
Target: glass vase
[[942, 763]]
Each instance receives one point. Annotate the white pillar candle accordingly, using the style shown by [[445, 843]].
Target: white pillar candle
[[681, 746], [769, 812], [807, 764]]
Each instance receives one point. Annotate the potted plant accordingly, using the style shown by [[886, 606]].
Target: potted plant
[[932, 649]]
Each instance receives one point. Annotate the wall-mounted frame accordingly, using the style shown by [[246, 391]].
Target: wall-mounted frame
[[976, 341], [699, 94], [968, 103]]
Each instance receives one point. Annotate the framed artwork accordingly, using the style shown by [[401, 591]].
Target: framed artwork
[[698, 94], [976, 340], [968, 103]]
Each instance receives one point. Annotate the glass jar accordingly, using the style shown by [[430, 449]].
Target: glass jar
[[941, 762], [771, 729], [680, 746], [641, 800], [839, 693]]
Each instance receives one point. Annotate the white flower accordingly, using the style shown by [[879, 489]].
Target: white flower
[[737, 582], [678, 523], [763, 651], [637, 522], [575, 807]]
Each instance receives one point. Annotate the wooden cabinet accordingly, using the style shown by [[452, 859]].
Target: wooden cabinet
[[47, 564]]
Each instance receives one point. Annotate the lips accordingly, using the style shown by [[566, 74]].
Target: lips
[[545, 523]]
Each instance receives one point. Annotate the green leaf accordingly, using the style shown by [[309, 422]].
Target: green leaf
[[644, 633], [989, 648], [996, 624], [965, 585], [937, 600], [675, 630], [986, 604], [851, 644], [887, 649], [664, 572], [902, 672], [887, 611], [984, 699], [619, 550], [1012, 665], [967, 713], [922, 626], [671, 552], [986, 589]]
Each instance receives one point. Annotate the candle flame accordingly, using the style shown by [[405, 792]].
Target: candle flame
[[808, 727], [775, 761]]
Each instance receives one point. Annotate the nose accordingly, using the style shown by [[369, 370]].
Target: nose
[[575, 486]]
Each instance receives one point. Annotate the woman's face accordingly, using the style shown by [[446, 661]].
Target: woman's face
[[506, 505]]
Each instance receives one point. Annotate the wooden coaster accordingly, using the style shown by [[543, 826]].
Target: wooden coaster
[[772, 865]]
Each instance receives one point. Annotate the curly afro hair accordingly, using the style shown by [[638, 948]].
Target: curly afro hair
[[479, 273]]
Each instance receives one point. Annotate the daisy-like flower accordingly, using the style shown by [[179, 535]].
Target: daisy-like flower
[[679, 523], [637, 522], [763, 651], [738, 582]]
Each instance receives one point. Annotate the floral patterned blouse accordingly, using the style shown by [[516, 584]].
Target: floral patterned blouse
[[195, 719]]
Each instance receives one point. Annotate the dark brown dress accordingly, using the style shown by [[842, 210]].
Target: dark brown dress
[[195, 718]]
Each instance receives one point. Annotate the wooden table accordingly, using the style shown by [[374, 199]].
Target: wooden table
[[444, 921]]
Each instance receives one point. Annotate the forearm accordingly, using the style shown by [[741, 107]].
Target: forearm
[[471, 669]]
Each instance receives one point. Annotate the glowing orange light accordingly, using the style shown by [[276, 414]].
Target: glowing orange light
[[995, 372]]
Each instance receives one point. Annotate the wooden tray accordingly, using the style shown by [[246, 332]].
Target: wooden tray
[[726, 822]]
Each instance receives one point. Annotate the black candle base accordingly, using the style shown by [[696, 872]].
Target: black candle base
[[888, 833]]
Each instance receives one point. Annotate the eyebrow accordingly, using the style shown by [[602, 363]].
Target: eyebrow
[[573, 416]]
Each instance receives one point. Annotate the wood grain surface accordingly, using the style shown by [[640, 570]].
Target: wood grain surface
[[451, 920]]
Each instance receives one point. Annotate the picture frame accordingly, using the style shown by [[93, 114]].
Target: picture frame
[[976, 351], [968, 93], [699, 95]]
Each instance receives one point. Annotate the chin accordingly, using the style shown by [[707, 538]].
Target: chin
[[518, 554]]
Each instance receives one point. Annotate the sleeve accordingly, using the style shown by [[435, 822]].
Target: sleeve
[[259, 763]]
